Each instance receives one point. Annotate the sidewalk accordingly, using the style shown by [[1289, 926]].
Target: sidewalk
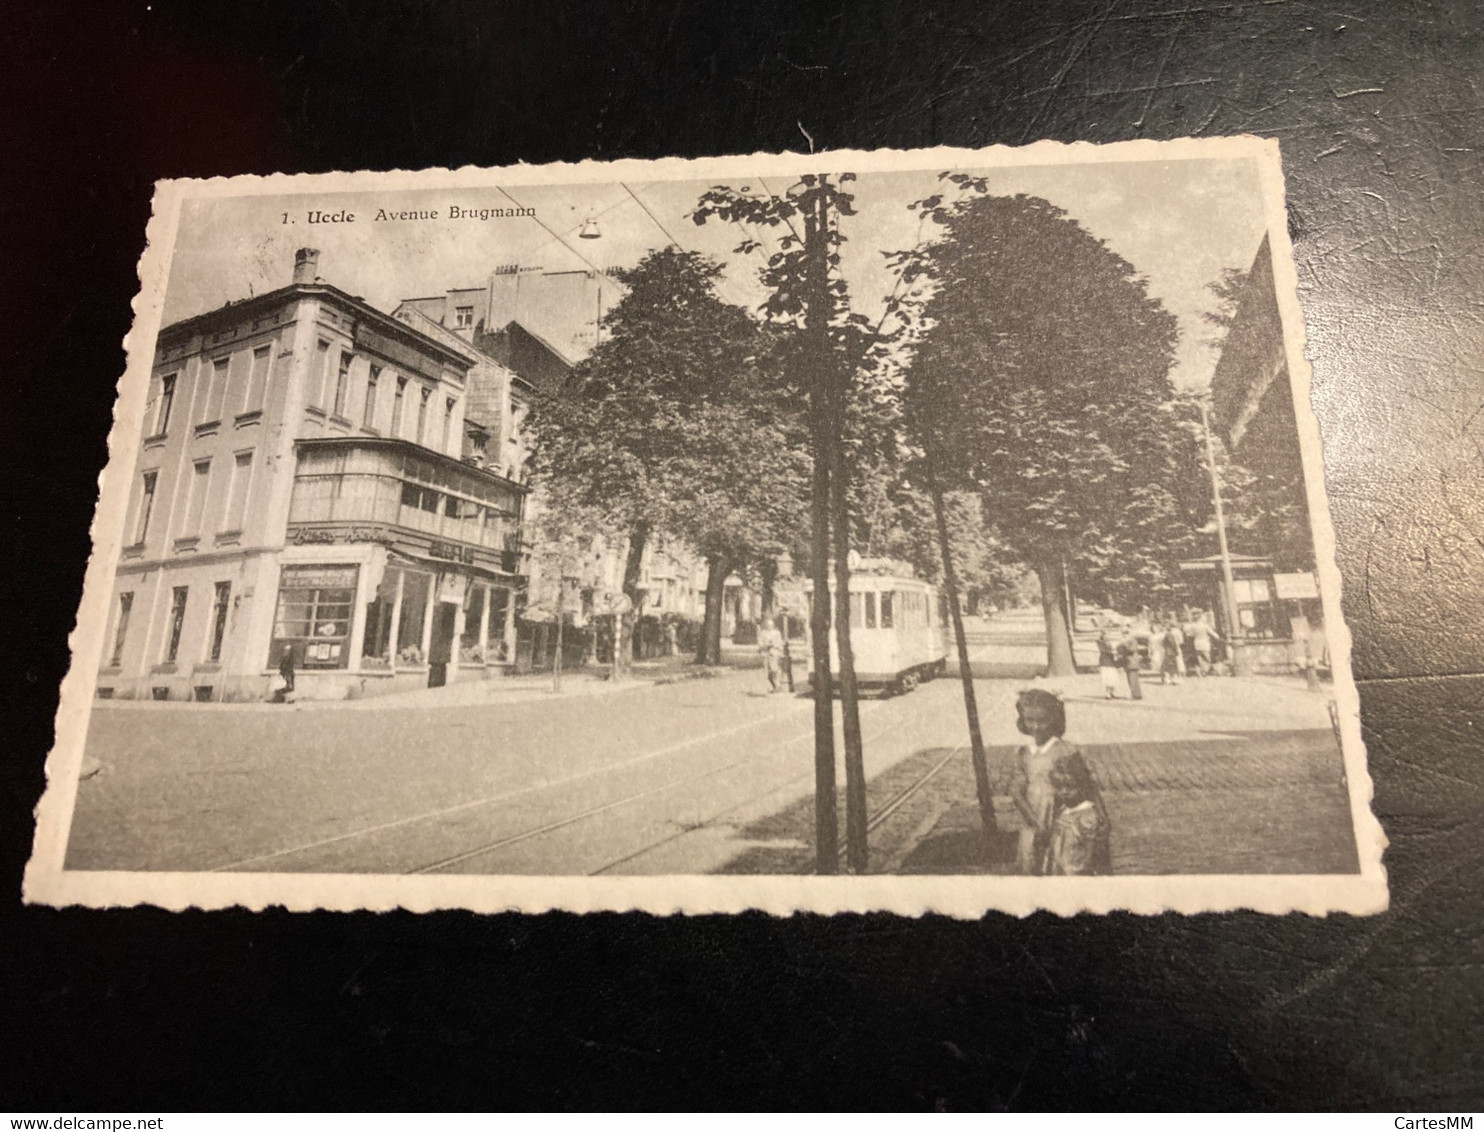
[[588, 681], [1222, 775]]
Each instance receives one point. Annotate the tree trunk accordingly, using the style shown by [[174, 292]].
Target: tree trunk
[[708, 649], [623, 628], [966, 676], [1059, 659], [826, 816], [856, 848]]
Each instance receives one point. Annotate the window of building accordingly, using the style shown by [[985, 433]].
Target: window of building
[[121, 628], [257, 380], [397, 403], [315, 604], [177, 622], [422, 414], [146, 506], [499, 606], [216, 391], [415, 590], [342, 384], [316, 392], [236, 514], [463, 317], [167, 403], [1255, 612], [422, 498], [368, 411], [196, 504], [219, 606], [377, 642], [474, 603]]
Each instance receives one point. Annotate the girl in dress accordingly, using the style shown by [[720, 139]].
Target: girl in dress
[[1079, 841], [1041, 717]]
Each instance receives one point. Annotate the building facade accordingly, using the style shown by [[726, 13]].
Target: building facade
[[306, 489]]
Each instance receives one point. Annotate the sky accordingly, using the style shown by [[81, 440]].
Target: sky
[[1179, 223]]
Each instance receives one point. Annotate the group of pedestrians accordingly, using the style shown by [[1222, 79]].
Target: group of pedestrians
[[1120, 660]]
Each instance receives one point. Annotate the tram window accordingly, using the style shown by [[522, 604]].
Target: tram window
[[855, 611], [870, 596], [886, 609]]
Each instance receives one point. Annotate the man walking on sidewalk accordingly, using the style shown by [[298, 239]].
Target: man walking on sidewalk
[[769, 644]]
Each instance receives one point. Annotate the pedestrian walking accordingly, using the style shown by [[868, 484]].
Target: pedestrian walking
[[1157, 648], [786, 658], [286, 671], [1108, 665], [1080, 843], [1171, 642], [1201, 635], [769, 646], [1128, 655]]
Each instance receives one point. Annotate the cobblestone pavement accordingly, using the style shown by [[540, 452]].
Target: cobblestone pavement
[[1265, 802]]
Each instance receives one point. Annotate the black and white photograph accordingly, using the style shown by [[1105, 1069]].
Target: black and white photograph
[[932, 530]]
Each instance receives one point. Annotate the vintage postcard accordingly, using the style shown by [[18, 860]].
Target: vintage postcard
[[918, 531]]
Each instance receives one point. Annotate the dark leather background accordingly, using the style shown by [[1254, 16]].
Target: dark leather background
[[1377, 104]]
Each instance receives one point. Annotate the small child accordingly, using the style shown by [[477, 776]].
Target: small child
[[1079, 841]]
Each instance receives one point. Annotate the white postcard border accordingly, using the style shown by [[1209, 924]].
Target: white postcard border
[[47, 882]]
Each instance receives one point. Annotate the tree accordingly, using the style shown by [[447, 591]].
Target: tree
[[624, 434], [1041, 378], [806, 292], [747, 489]]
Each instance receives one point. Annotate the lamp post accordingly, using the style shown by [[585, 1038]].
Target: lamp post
[[1228, 587]]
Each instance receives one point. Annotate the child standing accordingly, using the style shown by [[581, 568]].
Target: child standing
[[1079, 843], [1043, 719]]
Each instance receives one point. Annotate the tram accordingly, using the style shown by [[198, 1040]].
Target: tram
[[896, 629]]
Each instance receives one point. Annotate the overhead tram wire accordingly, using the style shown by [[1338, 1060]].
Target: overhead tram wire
[[649, 213], [552, 232]]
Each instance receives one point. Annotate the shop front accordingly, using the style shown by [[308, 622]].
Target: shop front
[[399, 571], [1279, 617]]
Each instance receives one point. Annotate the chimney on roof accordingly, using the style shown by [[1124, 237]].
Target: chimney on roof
[[306, 265]]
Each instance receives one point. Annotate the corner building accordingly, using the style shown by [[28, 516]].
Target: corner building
[[308, 484]]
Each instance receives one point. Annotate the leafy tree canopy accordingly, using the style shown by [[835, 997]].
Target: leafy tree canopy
[[1043, 376]]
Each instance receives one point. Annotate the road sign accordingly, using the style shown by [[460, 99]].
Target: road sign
[[616, 601]]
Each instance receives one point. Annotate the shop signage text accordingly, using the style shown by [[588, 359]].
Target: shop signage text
[[451, 552], [307, 535]]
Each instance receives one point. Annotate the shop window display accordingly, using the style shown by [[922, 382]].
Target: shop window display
[[315, 604]]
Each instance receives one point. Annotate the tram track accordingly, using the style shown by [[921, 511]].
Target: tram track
[[557, 823], [878, 817], [595, 811], [503, 796], [713, 818]]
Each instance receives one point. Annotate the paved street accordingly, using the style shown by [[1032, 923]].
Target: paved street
[[692, 775]]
